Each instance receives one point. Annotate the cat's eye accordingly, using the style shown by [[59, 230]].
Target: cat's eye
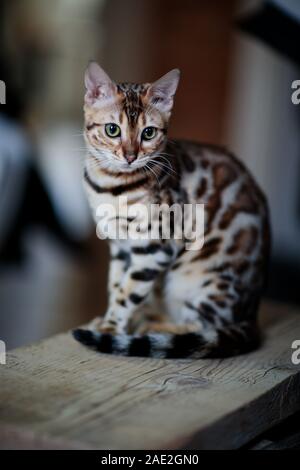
[[112, 130], [149, 133]]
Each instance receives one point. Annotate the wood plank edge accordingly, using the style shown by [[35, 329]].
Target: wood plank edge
[[247, 422], [16, 438]]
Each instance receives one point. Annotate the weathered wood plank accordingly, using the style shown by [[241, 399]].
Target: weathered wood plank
[[57, 394]]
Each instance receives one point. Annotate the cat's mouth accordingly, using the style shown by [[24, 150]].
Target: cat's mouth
[[152, 163], [113, 163], [130, 167]]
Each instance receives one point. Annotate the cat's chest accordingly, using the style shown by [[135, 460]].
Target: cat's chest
[[119, 217]]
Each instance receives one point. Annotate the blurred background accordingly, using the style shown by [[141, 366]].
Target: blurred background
[[238, 61]]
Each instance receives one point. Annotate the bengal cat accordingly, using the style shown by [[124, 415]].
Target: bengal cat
[[166, 300]]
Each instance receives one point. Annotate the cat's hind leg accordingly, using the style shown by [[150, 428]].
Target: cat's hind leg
[[218, 305]]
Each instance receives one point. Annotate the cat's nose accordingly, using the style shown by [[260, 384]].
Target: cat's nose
[[130, 158]]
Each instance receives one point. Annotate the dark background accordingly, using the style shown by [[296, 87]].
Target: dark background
[[237, 70]]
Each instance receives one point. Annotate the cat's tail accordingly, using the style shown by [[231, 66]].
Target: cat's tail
[[238, 338]]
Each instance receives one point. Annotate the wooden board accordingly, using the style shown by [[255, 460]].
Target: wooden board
[[57, 394]]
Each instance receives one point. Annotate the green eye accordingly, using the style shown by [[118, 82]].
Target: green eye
[[112, 130], [149, 133]]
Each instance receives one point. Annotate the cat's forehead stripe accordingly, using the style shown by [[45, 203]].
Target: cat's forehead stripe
[[132, 102]]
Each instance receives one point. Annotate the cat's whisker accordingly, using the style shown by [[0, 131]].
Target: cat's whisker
[[165, 154], [159, 165], [152, 171], [165, 157], [164, 166], [168, 169]]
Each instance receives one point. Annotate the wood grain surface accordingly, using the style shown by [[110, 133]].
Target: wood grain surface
[[58, 395]]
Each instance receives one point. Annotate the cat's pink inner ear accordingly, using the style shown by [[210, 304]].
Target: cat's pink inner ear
[[99, 87], [161, 93]]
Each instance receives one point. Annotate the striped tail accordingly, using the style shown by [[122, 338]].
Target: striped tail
[[231, 340]]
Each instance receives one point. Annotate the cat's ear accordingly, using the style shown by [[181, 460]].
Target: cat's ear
[[100, 89], [161, 93]]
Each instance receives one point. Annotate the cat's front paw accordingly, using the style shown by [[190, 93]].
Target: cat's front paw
[[100, 325], [166, 328], [95, 324]]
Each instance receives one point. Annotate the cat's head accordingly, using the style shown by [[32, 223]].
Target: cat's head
[[126, 123]]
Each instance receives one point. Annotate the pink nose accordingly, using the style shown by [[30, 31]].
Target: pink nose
[[130, 158]]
